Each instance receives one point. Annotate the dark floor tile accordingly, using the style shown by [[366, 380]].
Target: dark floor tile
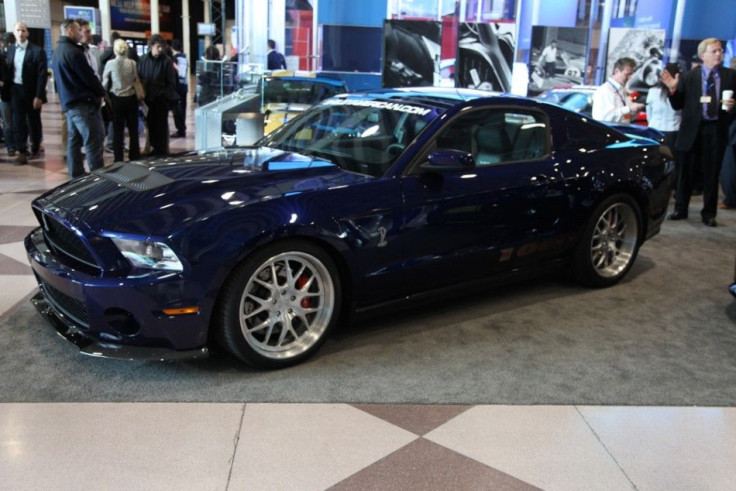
[[419, 419], [423, 465], [13, 233], [9, 266]]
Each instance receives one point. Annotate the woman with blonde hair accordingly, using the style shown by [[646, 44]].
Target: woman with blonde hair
[[119, 78]]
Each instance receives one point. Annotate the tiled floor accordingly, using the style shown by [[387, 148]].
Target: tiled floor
[[343, 446]]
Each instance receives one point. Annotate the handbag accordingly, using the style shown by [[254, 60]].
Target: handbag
[[140, 92]]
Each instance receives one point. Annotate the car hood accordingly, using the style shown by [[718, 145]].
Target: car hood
[[158, 197]]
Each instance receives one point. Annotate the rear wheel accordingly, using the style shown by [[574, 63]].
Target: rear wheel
[[279, 304], [610, 242]]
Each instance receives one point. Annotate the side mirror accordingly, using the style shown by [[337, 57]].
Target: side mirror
[[443, 160]]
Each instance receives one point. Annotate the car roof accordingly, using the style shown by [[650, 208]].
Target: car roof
[[574, 88], [444, 98], [458, 94]]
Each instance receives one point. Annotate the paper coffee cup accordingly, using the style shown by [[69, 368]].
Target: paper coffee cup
[[727, 94]]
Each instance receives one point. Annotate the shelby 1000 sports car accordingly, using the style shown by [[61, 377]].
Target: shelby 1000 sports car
[[363, 200]]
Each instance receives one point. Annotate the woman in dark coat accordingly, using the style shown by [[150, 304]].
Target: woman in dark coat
[[156, 71]]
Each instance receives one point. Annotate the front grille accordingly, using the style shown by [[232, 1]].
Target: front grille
[[65, 242], [69, 306]]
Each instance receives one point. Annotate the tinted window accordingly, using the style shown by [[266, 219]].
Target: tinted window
[[360, 136], [497, 136], [576, 134]]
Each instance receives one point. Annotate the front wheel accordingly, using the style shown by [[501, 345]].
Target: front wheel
[[610, 242], [279, 304]]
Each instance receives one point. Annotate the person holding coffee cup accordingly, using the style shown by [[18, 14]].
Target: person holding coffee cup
[[703, 133]]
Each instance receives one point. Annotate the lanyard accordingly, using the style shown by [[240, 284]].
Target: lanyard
[[623, 101]]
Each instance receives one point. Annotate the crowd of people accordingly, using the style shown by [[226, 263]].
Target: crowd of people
[[695, 112], [103, 91]]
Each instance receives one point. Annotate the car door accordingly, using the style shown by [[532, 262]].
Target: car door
[[498, 214]]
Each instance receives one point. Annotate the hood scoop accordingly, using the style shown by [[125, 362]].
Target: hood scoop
[[136, 177]]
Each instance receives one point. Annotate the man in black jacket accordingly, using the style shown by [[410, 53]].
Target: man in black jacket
[[274, 59], [156, 71], [80, 94], [704, 130], [6, 110], [28, 75]]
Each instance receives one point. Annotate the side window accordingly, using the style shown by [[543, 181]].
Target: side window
[[576, 134], [497, 136], [530, 140]]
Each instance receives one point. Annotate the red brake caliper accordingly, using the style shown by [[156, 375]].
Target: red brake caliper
[[300, 282]]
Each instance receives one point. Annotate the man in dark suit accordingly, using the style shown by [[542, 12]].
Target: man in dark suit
[[704, 130], [275, 60], [28, 75]]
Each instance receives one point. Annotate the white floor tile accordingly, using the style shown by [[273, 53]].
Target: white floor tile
[[15, 209], [22, 178], [309, 446], [15, 251], [117, 446], [670, 448], [13, 289], [548, 446]]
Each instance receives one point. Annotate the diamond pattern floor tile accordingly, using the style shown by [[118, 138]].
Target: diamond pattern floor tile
[[419, 419], [309, 446], [424, 465]]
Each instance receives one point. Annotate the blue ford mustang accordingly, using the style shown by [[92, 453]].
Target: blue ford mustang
[[363, 200]]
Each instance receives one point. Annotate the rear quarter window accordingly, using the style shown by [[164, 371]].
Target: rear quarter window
[[575, 134]]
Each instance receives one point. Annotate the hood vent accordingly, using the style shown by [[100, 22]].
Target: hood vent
[[136, 177]]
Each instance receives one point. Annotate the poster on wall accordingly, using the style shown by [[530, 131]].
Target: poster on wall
[[485, 55], [643, 45], [557, 57], [132, 18], [411, 53]]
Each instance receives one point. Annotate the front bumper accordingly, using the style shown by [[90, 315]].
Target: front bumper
[[119, 317], [91, 347]]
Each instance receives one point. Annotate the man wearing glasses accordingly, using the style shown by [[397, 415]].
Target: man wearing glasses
[[706, 115]]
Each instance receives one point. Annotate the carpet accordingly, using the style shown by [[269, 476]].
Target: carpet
[[665, 336]]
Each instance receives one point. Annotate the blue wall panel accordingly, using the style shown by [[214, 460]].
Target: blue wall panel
[[709, 18], [352, 13]]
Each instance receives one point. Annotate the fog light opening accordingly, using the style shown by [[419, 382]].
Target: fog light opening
[[122, 321]]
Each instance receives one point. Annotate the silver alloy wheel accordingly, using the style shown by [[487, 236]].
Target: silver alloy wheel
[[287, 305], [614, 240]]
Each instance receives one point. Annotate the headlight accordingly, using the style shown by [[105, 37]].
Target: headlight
[[149, 255]]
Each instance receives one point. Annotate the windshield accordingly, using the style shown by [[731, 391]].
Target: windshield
[[364, 136]]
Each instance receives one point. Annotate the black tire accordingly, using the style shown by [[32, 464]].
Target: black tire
[[278, 306], [610, 242]]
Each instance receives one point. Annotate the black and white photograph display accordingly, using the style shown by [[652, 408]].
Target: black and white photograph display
[[485, 55], [646, 46], [411, 51], [557, 57]]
